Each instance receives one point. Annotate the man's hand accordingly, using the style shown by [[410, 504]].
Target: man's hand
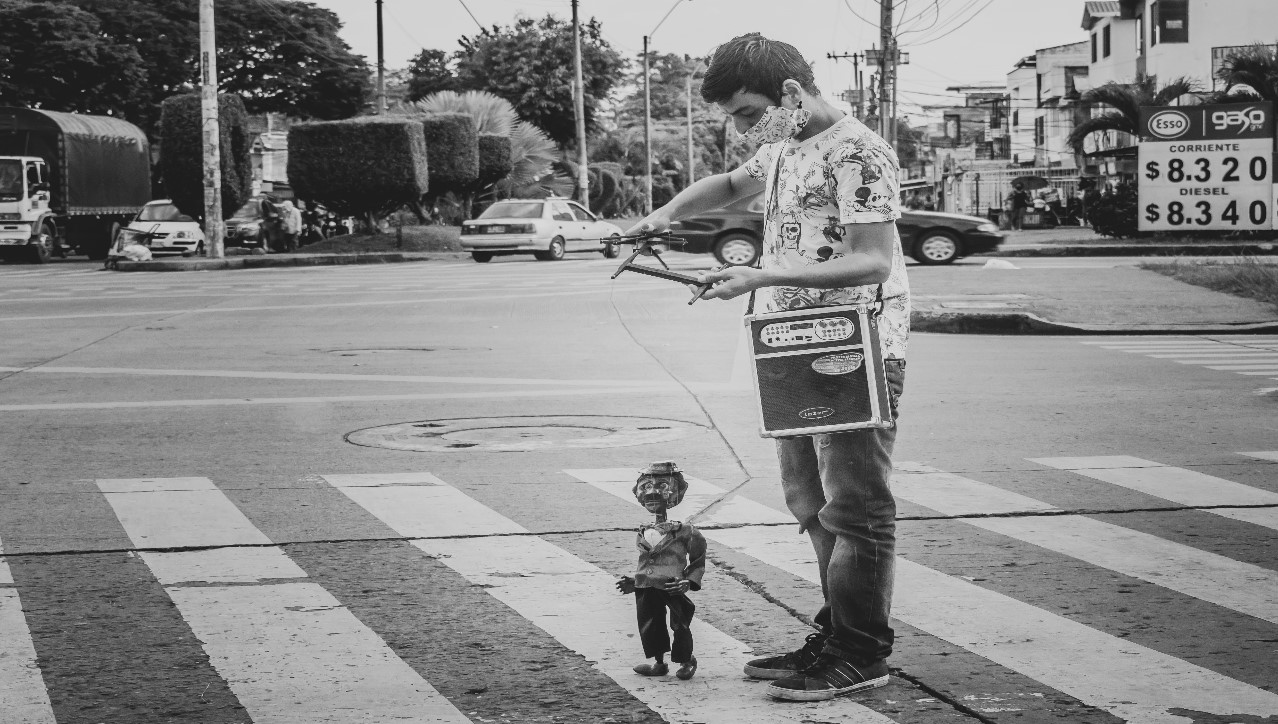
[[626, 584], [655, 223], [680, 586], [731, 282]]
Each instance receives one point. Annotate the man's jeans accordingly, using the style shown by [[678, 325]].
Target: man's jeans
[[836, 485]]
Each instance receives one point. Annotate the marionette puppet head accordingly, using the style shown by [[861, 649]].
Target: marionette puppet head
[[660, 487]]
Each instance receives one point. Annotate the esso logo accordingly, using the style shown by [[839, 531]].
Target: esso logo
[[1247, 118], [1168, 124]]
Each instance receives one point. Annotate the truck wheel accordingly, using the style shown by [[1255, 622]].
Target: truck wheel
[[45, 246]]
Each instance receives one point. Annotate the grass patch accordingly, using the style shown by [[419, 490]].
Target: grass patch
[[1245, 276], [416, 238]]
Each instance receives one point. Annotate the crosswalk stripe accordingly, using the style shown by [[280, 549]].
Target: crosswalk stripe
[[23, 697], [1185, 487], [290, 651], [1132, 681], [576, 603], [1210, 577]]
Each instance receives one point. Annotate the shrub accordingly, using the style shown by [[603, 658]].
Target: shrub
[[1114, 213], [453, 147], [182, 153], [371, 165], [495, 161]]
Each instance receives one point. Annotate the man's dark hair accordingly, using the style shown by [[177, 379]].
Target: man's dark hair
[[755, 64]]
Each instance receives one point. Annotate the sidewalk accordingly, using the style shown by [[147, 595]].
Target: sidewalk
[[997, 298]]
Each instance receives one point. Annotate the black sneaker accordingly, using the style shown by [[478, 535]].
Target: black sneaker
[[830, 677], [786, 665]]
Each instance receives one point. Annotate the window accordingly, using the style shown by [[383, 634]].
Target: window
[[1105, 41], [559, 211], [580, 213], [1040, 131], [1016, 118], [1140, 35], [1093, 47], [1169, 21]]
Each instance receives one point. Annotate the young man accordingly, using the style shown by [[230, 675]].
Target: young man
[[831, 201]]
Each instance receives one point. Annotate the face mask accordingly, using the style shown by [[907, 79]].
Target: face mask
[[777, 124]]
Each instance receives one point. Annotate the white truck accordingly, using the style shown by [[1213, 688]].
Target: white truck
[[68, 181]]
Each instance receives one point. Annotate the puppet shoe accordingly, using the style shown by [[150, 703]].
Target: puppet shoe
[[687, 669], [660, 669]]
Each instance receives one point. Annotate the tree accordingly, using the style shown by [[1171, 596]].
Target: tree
[[55, 57], [278, 55], [1126, 100], [430, 72], [1256, 68], [182, 153], [530, 64]]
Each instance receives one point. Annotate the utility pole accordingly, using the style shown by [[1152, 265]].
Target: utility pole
[[693, 67], [856, 78], [579, 108], [381, 65], [647, 134], [887, 74], [214, 228]]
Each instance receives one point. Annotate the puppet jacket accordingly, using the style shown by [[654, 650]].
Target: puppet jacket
[[680, 553]]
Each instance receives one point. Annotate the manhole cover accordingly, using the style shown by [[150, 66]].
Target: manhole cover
[[522, 434]]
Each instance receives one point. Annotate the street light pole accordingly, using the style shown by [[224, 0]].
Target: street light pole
[[579, 107], [381, 66], [214, 228], [647, 134]]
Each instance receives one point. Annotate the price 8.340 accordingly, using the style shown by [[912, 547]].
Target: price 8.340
[[1253, 213], [1229, 169]]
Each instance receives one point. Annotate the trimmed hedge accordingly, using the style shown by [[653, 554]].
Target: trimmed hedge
[[370, 165], [182, 153], [496, 160], [453, 146]]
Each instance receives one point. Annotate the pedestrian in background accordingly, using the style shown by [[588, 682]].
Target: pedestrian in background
[[1019, 201], [270, 213], [292, 225], [832, 195]]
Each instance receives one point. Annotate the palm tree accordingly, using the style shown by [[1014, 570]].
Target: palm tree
[[1126, 100], [534, 155], [1256, 68], [492, 113]]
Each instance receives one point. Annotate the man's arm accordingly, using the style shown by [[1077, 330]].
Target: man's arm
[[709, 193], [869, 262]]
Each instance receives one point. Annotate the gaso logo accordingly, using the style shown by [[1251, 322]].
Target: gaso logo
[[1168, 124], [1247, 119]]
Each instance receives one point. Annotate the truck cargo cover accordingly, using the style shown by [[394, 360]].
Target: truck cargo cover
[[100, 165]]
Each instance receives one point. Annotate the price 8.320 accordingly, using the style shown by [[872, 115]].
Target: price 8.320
[[1202, 213], [1201, 171]]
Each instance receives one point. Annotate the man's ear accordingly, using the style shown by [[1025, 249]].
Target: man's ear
[[791, 90]]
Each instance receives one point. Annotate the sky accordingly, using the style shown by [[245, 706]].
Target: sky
[[967, 42]]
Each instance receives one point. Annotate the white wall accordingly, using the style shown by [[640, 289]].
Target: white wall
[[1120, 66], [1213, 23]]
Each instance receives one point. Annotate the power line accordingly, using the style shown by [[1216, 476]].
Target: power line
[[960, 25], [472, 15]]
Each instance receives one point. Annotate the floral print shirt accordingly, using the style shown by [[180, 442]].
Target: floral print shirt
[[847, 174]]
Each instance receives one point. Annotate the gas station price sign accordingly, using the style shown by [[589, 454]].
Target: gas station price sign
[[1207, 167]]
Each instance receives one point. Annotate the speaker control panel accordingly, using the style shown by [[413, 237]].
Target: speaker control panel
[[807, 331]]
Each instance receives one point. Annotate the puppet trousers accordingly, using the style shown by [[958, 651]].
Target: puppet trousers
[[836, 485], [651, 605]]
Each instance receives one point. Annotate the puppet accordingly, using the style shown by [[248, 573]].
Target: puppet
[[672, 561]]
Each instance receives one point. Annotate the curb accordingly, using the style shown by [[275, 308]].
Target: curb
[[1258, 249], [1027, 323], [261, 262]]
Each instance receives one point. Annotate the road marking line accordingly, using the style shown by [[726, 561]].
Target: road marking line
[[1186, 487], [700, 497], [23, 696], [326, 377], [331, 399], [1263, 455], [289, 650], [427, 509], [1238, 586], [576, 603], [1134, 682]]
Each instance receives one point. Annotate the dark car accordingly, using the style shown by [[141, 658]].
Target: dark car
[[734, 234], [244, 228]]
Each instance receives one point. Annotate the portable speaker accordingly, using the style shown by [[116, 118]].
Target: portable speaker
[[818, 370]]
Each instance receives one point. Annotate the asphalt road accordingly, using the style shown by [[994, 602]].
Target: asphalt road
[[209, 514]]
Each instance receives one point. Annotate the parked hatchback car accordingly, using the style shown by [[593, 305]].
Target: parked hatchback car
[[161, 227], [734, 234], [545, 228]]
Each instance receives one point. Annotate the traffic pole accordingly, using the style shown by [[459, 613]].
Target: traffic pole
[[579, 107], [214, 227]]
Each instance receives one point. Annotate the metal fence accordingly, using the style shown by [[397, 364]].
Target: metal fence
[[979, 192]]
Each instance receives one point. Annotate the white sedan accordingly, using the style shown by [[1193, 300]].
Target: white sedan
[[161, 227], [546, 228]]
